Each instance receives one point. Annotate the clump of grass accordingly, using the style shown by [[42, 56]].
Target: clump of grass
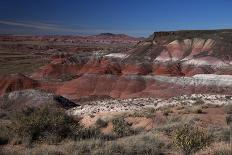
[[189, 139], [121, 127]]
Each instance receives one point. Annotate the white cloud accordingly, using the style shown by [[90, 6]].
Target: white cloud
[[47, 27]]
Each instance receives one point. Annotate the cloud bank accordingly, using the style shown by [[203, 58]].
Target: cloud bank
[[47, 28]]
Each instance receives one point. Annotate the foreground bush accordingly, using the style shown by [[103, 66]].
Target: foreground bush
[[4, 134], [101, 123], [229, 119], [223, 151], [228, 109], [190, 139], [43, 124], [220, 134], [122, 128]]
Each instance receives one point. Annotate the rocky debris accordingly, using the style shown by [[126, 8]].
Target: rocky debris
[[138, 104], [18, 100]]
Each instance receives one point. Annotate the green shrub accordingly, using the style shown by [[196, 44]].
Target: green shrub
[[43, 125], [121, 127], [190, 139], [101, 123]]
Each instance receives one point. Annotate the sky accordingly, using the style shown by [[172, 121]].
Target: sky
[[132, 17]]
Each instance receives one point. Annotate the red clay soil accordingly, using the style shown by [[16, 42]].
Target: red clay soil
[[127, 87]]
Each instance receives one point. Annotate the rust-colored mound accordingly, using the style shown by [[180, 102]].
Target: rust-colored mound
[[134, 86], [9, 83]]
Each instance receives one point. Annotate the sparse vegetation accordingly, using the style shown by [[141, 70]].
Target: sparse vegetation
[[167, 111], [4, 135], [223, 151], [189, 139], [199, 101], [122, 128], [198, 111], [101, 123], [220, 134], [43, 125], [148, 113], [28, 127], [229, 120], [228, 109]]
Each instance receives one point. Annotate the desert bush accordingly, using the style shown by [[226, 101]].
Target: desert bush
[[168, 128], [174, 122], [4, 135], [43, 125], [101, 123], [189, 139], [111, 148], [228, 109], [166, 112], [223, 151], [145, 143], [194, 109], [220, 134], [122, 128], [89, 147], [229, 120], [148, 113], [198, 111], [87, 133]]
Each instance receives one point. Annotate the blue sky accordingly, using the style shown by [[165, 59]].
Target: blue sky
[[133, 17]]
